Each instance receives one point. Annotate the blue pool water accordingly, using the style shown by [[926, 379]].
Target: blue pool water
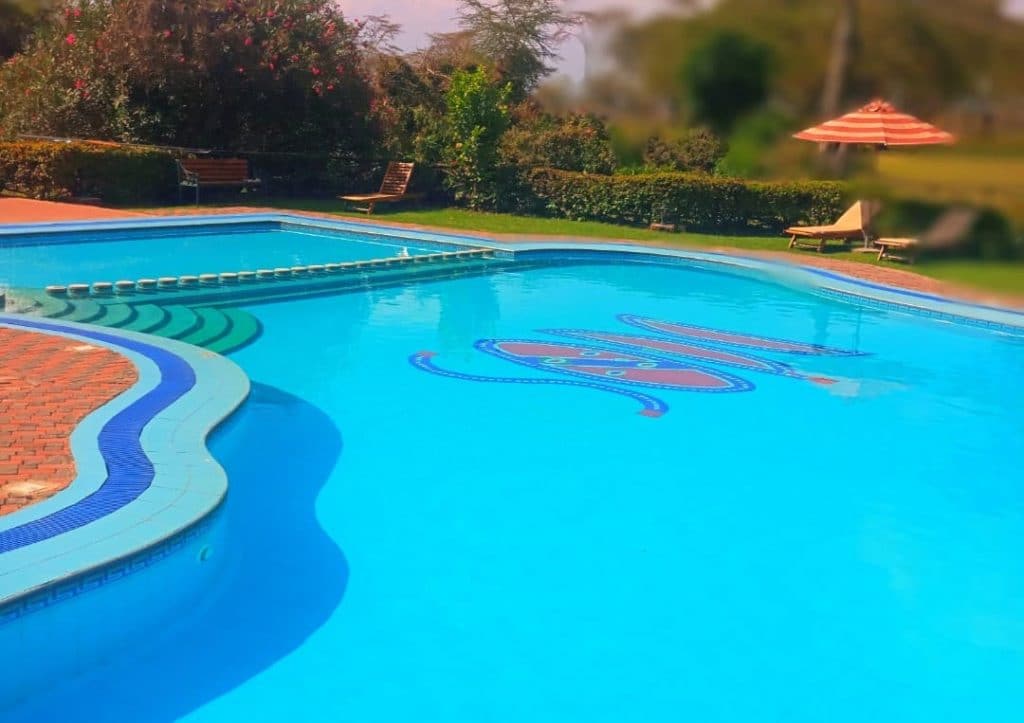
[[841, 543], [198, 250]]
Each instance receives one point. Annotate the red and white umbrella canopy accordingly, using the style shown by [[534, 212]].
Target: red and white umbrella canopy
[[879, 124]]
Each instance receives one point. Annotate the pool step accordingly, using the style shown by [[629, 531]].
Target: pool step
[[116, 314], [84, 311], [182, 321], [244, 328], [218, 329], [148, 317], [36, 302], [213, 324]]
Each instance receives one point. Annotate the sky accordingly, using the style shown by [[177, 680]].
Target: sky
[[419, 18]]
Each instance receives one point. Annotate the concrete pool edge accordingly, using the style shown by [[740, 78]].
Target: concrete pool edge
[[186, 485]]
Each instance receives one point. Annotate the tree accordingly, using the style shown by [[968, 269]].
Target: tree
[[18, 19], [478, 116], [520, 37], [283, 75], [727, 76]]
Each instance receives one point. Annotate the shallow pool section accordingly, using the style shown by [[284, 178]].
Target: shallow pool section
[[151, 251], [609, 492]]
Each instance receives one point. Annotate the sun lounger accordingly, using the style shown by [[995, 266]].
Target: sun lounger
[[949, 229], [854, 223], [393, 188]]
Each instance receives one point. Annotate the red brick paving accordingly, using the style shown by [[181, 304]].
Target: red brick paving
[[27, 210], [48, 384]]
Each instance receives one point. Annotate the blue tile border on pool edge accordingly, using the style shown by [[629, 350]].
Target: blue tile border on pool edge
[[129, 471], [158, 480]]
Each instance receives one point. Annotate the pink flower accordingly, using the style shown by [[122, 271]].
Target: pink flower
[[271, 13], [77, 12], [271, 66], [241, 70], [330, 86], [295, 58], [248, 41], [79, 84], [167, 33], [314, 70], [71, 39]]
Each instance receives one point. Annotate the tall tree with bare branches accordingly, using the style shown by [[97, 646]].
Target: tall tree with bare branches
[[521, 37]]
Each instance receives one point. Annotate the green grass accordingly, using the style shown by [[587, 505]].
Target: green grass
[[1006, 277]]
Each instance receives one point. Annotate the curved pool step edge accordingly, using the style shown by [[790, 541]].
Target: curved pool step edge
[[244, 330], [188, 484]]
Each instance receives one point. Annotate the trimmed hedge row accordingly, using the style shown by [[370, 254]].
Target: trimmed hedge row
[[698, 202], [115, 174]]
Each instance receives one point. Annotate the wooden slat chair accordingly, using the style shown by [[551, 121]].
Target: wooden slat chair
[[948, 230], [215, 172], [393, 188], [854, 223]]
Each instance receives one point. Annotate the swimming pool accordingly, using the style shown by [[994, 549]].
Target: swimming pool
[[37, 258], [601, 491]]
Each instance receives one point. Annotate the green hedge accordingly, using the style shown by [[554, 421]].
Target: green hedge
[[115, 174], [696, 201]]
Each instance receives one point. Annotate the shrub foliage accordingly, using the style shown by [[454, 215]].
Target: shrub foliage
[[62, 170], [697, 201]]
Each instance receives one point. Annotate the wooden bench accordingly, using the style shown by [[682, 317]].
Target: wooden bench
[[393, 188], [214, 172]]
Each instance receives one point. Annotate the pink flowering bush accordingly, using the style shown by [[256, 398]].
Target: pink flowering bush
[[262, 75]]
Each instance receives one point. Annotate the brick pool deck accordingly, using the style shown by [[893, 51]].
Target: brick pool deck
[[48, 384], [26, 210]]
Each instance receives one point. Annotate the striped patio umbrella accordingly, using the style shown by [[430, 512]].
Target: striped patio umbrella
[[877, 124]]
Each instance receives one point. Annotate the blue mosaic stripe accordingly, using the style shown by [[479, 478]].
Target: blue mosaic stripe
[[652, 406], [129, 470]]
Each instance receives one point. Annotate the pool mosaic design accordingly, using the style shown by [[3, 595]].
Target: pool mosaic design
[[644, 361]]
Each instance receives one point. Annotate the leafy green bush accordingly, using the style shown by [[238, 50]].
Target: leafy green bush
[[115, 174], [478, 116], [697, 201], [700, 150], [574, 143], [281, 75]]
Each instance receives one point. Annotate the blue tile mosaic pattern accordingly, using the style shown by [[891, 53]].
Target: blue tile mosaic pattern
[[129, 471], [76, 585]]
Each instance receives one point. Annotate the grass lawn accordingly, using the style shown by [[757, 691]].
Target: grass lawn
[[987, 179], [1007, 278]]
